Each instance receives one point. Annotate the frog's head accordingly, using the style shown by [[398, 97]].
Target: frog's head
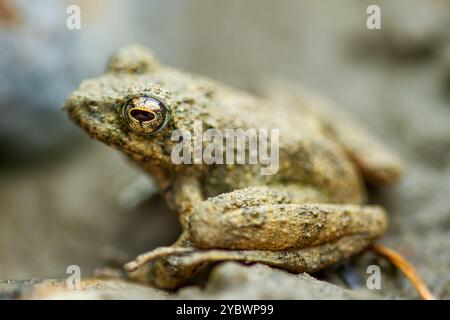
[[130, 107]]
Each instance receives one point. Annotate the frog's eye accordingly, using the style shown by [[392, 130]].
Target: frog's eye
[[145, 115]]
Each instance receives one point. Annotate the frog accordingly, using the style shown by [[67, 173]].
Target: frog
[[311, 214]]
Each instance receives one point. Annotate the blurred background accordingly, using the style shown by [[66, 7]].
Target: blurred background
[[65, 199]]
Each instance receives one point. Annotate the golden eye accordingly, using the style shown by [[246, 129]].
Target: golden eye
[[145, 115]]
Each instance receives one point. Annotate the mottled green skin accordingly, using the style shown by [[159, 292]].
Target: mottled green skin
[[316, 166]]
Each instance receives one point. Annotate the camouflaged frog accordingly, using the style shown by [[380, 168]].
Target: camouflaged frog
[[307, 216]]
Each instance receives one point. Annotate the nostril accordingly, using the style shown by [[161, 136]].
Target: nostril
[[142, 115]]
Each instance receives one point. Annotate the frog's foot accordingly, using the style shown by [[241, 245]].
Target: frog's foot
[[261, 225], [173, 271], [161, 252], [307, 259], [173, 266]]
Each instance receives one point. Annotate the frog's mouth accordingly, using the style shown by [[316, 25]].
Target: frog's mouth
[[107, 126]]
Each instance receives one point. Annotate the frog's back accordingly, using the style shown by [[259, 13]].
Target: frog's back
[[306, 156]]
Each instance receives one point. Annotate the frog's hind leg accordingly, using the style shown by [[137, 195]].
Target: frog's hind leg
[[307, 259], [379, 165], [292, 193], [280, 226], [268, 225], [173, 271], [172, 268]]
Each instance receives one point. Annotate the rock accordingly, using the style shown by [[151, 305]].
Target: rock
[[229, 280], [232, 280]]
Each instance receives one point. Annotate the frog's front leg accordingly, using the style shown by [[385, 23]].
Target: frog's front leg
[[283, 226], [181, 194]]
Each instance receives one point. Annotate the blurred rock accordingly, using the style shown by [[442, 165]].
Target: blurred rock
[[42, 61], [90, 289]]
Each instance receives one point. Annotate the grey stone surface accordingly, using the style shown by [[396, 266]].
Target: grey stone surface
[[232, 280], [229, 280], [75, 208]]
